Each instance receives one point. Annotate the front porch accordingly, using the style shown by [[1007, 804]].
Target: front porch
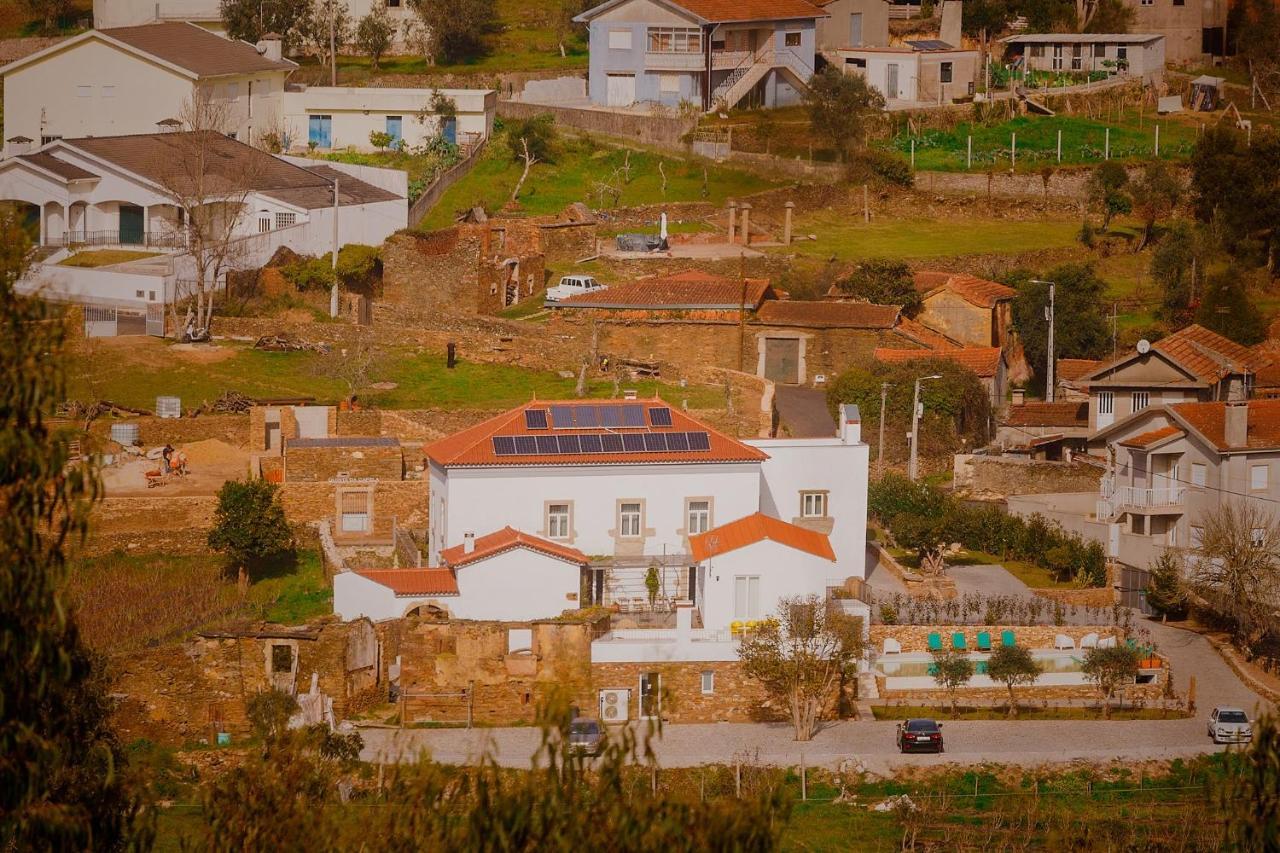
[[113, 224]]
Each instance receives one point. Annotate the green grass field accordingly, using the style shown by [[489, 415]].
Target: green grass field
[[842, 234], [579, 166]]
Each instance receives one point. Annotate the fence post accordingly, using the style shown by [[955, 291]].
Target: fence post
[[866, 206], [804, 781], [913, 154], [969, 160], [1106, 146], [1157, 140], [1059, 145], [1013, 151]]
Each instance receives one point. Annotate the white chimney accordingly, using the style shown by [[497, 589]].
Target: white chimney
[[1019, 396], [271, 47], [850, 423], [468, 541]]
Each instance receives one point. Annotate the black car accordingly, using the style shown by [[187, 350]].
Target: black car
[[920, 736]]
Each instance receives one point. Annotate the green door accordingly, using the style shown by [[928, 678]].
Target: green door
[[132, 230]]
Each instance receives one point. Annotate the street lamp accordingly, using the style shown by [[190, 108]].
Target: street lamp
[[1048, 315], [915, 424]]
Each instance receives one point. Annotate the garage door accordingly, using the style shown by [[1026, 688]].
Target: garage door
[[622, 90], [782, 359]]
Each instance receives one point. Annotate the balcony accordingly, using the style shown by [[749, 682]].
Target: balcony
[[665, 60], [117, 238], [1155, 501]]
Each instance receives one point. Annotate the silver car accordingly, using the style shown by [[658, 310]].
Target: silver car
[[586, 736], [1229, 725]]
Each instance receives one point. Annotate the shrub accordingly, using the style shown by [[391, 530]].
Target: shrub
[[358, 267], [249, 525], [874, 164]]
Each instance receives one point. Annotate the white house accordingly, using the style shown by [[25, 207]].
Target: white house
[[923, 71], [327, 117], [134, 79], [647, 492], [1137, 55]]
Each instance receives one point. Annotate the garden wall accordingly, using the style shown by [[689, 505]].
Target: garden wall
[[633, 127], [1000, 476]]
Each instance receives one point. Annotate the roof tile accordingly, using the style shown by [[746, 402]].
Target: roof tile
[[984, 361], [506, 539], [196, 49], [829, 315], [413, 581], [977, 291], [756, 528], [1209, 419], [1209, 355], [689, 290], [1064, 414], [1150, 437]]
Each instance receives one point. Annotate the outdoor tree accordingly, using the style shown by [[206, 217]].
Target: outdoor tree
[[560, 15], [1235, 185], [50, 13], [1013, 666], [328, 28], [374, 34], [839, 105], [1236, 570], [927, 535], [884, 282], [1082, 329], [1228, 309], [380, 139], [456, 28], [1167, 588], [250, 20], [1256, 25], [440, 108], [1155, 195], [801, 655], [250, 528], [982, 19], [1177, 268], [1107, 190], [1105, 16], [354, 365], [1110, 669], [951, 671], [1248, 796], [64, 783], [531, 141]]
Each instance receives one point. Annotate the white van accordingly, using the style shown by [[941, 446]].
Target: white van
[[572, 285]]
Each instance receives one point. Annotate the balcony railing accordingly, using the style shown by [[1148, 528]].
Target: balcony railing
[[1113, 499], [144, 239]]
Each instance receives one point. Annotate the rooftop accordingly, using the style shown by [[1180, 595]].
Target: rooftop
[[1209, 420], [196, 49], [1048, 414], [978, 291], [689, 290], [1081, 38], [1071, 369], [829, 315], [1153, 437], [756, 528], [922, 334], [413, 581], [507, 539], [728, 11], [984, 361], [1209, 355], [61, 168]]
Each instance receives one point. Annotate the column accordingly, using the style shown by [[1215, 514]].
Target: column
[[786, 223], [733, 220], [746, 223]]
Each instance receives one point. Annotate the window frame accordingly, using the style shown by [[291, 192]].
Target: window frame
[[708, 682], [816, 496], [1199, 474], [792, 38], [692, 529], [750, 609], [615, 43], [678, 40], [1135, 397], [555, 519], [666, 80], [1254, 470], [286, 218], [946, 71], [629, 518], [1106, 402]]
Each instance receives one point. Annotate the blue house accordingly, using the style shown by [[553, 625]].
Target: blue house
[[711, 53]]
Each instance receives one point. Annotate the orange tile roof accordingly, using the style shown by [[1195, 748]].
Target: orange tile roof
[[1048, 414], [1208, 355], [978, 291], [413, 581], [1209, 420], [984, 361], [756, 528], [1155, 436], [723, 11], [689, 290], [506, 539], [1071, 369], [829, 315], [474, 446], [922, 334]]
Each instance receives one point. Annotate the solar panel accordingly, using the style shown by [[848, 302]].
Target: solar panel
[[633, 442], [655, 442], [504, 445], [660, 417], [547, 444], [611, 443], [677, 441], [587, 417], [610, 416], [633, 416], [562, 417], [699, 441], [535, 418], [526, 445], [569, 444], [591, 444]]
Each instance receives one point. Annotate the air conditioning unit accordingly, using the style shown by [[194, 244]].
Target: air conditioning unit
[[614, 705]]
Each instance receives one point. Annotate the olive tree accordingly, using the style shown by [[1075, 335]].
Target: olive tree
[[951, 671], [1108, 669], [1013, 666]]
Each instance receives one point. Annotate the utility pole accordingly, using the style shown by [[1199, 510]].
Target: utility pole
[[884, 390], [742, 311], [1115, 307], [913, 463], [333, 293], [333, 45], [1048, 315]]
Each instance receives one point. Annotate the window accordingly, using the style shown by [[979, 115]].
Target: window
[[1199, 473], [84, 91], [620, 39], [1141, 399], [1106, 402], [629, 519], [264, 223], [791, 40], [108, 91], [699, 517], [354, 511], [1197, 536], [746, 597], [1099, 51], [674, 40], [519, 640], [1257, 535], [282, 658], [233, 91], [558, 521], [669, 84], [45, 140], [813, 504], [1172, 536], [1037, 50], [320, 131], [153, 295], [855, 29], [393, 4], [284, 220], [708, 682], [1148, 2], [138, 293], [249, 86], [944, 73], [1258, 478], [1122, 53], [856, 63]]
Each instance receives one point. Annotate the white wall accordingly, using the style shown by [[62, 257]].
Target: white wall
[[355, 596], [516, 585], [784, 573], [877, 71], [100, 287], [357, 112], [391, 180]]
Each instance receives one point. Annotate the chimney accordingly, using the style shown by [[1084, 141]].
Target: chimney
[[1235, 428], [1019, 396], [19, 145], [271, 47], [850, 423], [952, 21], [469, 542]]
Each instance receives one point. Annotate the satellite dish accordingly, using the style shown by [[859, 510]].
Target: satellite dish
[[1144, 346]]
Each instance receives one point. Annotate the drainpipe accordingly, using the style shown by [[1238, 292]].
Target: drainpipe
[[706, 77]]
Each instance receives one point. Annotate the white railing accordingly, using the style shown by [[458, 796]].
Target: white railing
[[1137, 498]]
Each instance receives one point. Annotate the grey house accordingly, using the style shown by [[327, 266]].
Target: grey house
[[711, 53]]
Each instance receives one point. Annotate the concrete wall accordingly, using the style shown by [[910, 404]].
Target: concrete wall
[[358, 111], [783, 572], [1145, 61], [1180, 24], [837, 30], [651, 130]]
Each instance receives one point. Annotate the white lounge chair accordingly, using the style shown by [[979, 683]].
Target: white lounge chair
[[892, 646], [1089, 641], [1062, 641], [1107, 643]]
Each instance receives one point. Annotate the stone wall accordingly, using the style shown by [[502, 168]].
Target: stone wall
[[568, 242], [915, 638], [631, 127], [1000, 476], [735, 698], [464, 268], [317, 464], [155, 432], [404, 500]]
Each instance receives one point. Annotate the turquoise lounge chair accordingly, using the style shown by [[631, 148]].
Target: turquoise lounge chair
[[935, 642], [980, 668], [984, 641], [958, 642], [1007, 639]]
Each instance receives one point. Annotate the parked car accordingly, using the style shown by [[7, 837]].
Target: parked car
[[920, 736], [586, 736], [1229, 725], [573, 285]]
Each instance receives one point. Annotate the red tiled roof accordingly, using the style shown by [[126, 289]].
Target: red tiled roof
[[829, 315], [473, 446], [755, 528], [977, 291], [922, 334], [1208, 355], [1071, 369], [1155, 436], [984, 361], [689, 290], [413, 581], [1074, 414], [1209, 419], [506, 539]]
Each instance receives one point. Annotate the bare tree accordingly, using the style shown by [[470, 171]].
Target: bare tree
[[211, 195], [353, 365], [529, 160], [1236, 569]]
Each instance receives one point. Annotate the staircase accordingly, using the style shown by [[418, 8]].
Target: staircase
[[740, 81]]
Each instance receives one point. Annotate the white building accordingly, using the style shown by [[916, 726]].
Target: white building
[[925, 71], [1137, 55], [134, 79], [645, 490], [344, 117]]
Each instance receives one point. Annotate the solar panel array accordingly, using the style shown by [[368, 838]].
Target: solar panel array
[[573, 445], [629, 416]]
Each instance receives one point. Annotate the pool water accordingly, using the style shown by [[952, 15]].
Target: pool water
[[914, 670]]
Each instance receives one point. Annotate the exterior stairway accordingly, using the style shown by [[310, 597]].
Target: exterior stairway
[[740, 81]]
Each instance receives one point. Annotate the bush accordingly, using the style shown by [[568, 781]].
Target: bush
[[358, 268], [249, 525], [874, 164]]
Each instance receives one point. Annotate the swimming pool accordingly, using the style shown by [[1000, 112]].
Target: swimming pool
[[912, 670]]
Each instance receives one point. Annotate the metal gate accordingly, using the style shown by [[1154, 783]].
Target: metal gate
[[782, 359], [1133, 589], [155, 319], [99, 322]]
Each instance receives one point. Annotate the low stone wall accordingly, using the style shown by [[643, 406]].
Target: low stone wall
[[1102, 596], [999, 476], [915, 638], [633, 127], [154, 431], [320, 464], [1030, 696], [405, 500]]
